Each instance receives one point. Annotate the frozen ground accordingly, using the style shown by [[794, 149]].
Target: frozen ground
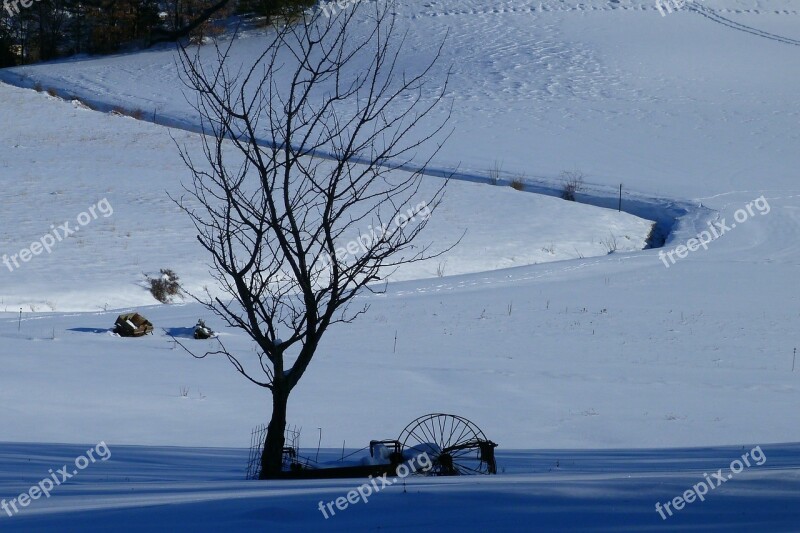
[[610, 352]]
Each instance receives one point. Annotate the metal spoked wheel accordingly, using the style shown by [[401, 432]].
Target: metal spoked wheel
[[454, 445]]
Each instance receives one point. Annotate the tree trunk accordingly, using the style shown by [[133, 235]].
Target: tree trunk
[[272, 456]]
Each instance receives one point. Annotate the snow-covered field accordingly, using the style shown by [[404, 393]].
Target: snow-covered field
[[199, 489], [613, 367]]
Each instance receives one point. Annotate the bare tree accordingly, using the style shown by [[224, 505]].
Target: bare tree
[[306, 151]]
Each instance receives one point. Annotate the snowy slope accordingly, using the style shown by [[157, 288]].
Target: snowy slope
[[678, 106], [63, 159], [696, 353]]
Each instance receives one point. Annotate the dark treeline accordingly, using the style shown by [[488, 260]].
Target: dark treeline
[[50, 29]]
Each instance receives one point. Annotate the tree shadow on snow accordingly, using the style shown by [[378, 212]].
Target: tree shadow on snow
[[181, 333], [91, 330]]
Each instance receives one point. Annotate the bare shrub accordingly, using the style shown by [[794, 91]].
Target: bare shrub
[[166, 287], [494, 173], [610, 243], [573, 183], [518, 184], [137, 114], [52, 92]]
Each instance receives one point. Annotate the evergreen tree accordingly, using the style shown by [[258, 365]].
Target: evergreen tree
[[56, 28]]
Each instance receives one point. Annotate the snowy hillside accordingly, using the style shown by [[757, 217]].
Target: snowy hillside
[[66, 159], [622, 378]]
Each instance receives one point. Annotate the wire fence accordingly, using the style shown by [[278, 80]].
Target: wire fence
[[292, 442], [257, 438]]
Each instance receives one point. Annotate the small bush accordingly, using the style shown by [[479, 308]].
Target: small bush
[[494, 174], [38, 87], [138, 114], [573, 183], [52, 92], [610, 243], [166, 287], [517, 184]]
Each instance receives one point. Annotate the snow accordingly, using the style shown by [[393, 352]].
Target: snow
[[634, 378], [70, 159], [144, 488]]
